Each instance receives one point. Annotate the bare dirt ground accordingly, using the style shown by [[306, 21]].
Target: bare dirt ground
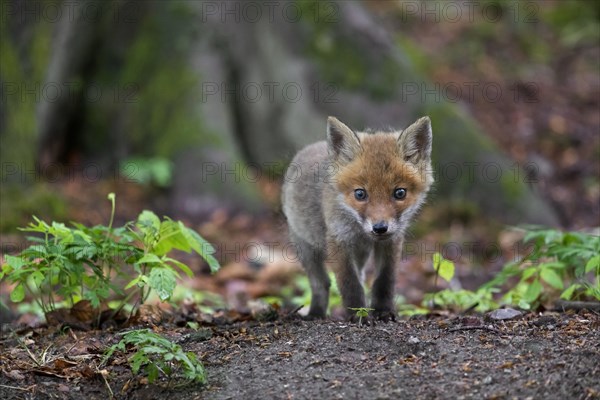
[[547, 355]]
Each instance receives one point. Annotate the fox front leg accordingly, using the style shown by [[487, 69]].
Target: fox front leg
[[383, 286], [348, 279], [313, 261]]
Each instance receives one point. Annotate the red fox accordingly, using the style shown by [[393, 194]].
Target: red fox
[[352, 195]]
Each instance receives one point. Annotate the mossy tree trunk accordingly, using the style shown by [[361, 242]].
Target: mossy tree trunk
[[210, 90]]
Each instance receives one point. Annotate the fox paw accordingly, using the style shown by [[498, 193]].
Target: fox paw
[[384, 315], [314, 316]]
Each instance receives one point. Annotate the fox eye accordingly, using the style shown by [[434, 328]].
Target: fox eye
[[360, 194], [399, 193]]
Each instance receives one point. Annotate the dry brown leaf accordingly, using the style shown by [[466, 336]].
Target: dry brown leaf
[[83, 311], [63, 388], [61, 363], [15, 374]]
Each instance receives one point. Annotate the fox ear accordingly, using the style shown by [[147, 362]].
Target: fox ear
[[415, 141], [342, 142]]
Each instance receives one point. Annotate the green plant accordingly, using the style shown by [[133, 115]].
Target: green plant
[[566, 262], [443, 268], [156, 170], [361, 312], [299, 293], [481, 299], [158, 355], [69, 264], [559, 262], [19, 202]]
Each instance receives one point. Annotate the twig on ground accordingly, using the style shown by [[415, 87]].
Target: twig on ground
[[295, 310], [26, 389], [112, 395], [472, 328], [563, 305]]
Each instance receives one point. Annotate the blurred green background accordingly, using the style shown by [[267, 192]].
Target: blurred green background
[[190, 107]]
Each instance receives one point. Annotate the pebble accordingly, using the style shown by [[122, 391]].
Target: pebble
[[413, 340], [504, 314]]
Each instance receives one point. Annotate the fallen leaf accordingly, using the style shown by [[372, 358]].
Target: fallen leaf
[[83, 311], [63, 388], [15, 374], [61, 363]]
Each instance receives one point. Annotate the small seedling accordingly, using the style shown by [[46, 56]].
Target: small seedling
[[361, 312], [158, 355], [444, 268], [193, 325]]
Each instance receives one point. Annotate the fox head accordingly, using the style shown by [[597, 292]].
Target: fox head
[[383, 177]]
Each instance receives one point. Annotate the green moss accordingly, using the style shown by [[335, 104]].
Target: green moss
[[467, 166], [39, 53], [418, 59], [511, 187], [19, 203], [442, 213], [340, 61], [22, 74], [154, 89], [577, 22], [454, 133]]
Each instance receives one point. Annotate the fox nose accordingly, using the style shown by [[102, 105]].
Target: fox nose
[[380, 228]]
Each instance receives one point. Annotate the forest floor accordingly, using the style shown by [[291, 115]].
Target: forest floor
[[443, 355], [552, 355]]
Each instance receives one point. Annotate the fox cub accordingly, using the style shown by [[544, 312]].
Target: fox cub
[[352, 195]]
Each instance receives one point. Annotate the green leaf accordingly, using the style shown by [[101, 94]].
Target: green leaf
[[35, 251], [444, 268], [201, 246], [568, 293], [133, 282], [152, 371], [533, 291], [554, 264], [163, 280], [181, 266], [552, 278], [592, 264], [59, 230], [149, 258], [528, 273], [84, 252], [18, 293], [149, 219], [524, 305], [171, 237], [41, 226], [37, 278], [149, 225], [571, 238], [137, 361], [93, 297], [15, 262]]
